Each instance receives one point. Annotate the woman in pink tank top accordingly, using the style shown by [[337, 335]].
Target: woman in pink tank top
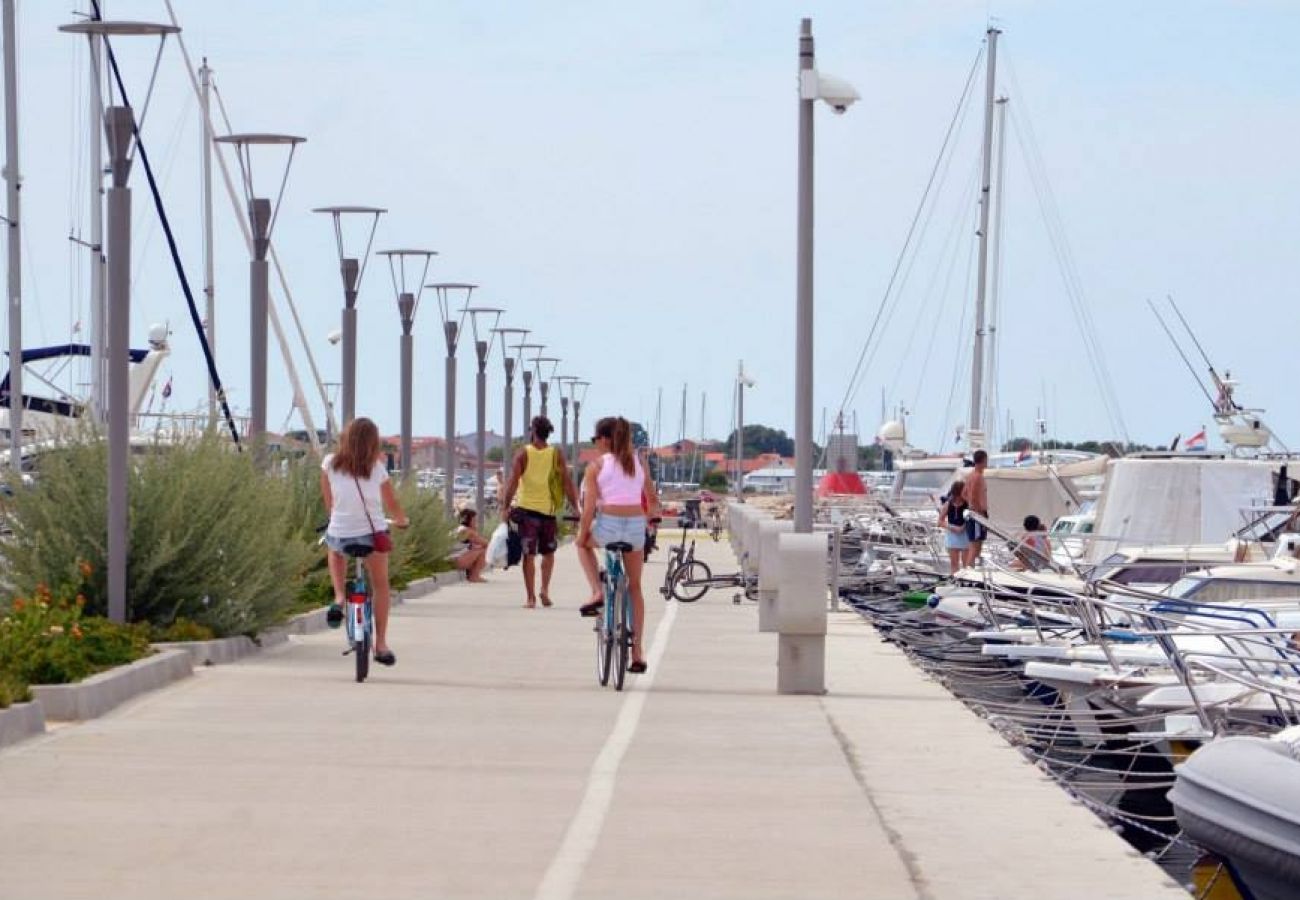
[[612, 513]]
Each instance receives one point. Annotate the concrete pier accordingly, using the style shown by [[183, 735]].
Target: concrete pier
[[489, 764]]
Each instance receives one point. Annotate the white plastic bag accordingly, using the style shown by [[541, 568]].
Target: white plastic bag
[[497, 552]]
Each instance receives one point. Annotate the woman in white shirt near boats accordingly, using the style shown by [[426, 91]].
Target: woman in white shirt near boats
[[357, 492]]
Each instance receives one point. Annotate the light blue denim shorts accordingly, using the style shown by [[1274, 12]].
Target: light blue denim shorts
[[338, 543], [955, 540], [612, 529]]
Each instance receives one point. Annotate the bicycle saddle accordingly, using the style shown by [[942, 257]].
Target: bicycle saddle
[[357, 550], [620, 546]]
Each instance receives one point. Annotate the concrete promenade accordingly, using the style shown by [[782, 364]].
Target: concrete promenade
[[489, 764]]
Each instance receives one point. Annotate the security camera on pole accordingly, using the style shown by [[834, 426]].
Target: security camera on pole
[[352, 270], [839, 95], [120, 133], [801, 593], [511, 362], [451, 303], [408, 302], [261, 218], [482, 349]]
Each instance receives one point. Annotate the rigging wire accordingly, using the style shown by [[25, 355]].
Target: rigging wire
[[960, 358], [1187, 362], [951, 252], [195, 318], [858, 370], [1054, 225]]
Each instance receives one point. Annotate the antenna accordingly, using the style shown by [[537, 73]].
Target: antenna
[[1224, 393], [1187, 362]]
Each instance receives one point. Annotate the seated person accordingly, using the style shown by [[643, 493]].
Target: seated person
[[1034, 552], [470, 554]]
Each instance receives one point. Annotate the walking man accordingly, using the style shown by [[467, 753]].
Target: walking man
[[540, 477], [977, 495]]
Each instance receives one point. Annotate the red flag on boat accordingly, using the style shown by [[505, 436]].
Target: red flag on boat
[[1197, 441]]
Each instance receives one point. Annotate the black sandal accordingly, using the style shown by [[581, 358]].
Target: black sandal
[[591, 609], [386, 658], [637, 667]]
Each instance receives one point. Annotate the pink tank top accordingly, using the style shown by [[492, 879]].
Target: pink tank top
[[617, 488]]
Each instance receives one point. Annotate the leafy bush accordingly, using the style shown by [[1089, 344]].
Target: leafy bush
[[46, 640], [213, 538], [422, 549], [181, 630], [715, 480]]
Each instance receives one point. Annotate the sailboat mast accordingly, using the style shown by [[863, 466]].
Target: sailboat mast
[[991, 398], [973, 432], [209, 284], [12, 181]]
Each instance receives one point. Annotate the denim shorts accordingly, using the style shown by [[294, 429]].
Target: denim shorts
[[955, 540], [338, 543], [609, 529]]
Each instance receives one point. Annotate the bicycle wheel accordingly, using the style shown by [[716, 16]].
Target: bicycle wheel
[[686, 581], [361, 650], [623, 632], [604, 648]]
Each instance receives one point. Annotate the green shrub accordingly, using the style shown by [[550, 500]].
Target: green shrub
[[181, 630], [12, 690], [44, 640], [213, 538], [422, 549]]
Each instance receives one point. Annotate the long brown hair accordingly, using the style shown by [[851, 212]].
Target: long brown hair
[[618, 432], [358, 448]]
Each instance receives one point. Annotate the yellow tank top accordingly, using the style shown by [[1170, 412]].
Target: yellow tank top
[[535, 484]]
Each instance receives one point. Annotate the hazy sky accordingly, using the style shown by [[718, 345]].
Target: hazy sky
[[621, 178]]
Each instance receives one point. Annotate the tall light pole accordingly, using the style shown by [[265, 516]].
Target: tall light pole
[[840, 95], [528, 368], [742, 381], [482, 349], [545, 366], [408, 301], [351, 269], [508, 401], [120, 134], [13, 179], [562, 382], [450, 303], [579, 397], [261, 219]]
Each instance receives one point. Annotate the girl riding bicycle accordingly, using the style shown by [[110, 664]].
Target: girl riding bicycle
[[356, 489], [611, 512]]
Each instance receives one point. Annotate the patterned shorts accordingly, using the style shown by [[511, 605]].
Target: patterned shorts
[[536, 531]]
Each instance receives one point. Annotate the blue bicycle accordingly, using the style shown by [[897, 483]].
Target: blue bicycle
[[359, 615], [614, 632]]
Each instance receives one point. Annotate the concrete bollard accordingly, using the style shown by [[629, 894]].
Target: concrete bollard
[[769, 570], [801, 614], [752, 548], [737, 514]]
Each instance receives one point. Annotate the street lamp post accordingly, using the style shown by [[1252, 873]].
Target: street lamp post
[[451, 329], [840, 95], [579, 397], [742, 381], [544, 377], [508, 400], [529, 375], [482, 349], [408, 302], [261, 219], [119, 132], [352, 269]]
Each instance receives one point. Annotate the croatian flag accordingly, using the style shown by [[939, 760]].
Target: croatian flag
[[1197, 442]]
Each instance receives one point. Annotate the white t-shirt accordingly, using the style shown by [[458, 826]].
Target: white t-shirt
[[348, 519]]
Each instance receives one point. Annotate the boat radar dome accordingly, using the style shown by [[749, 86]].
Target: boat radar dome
[[893, 435], [158, 336]]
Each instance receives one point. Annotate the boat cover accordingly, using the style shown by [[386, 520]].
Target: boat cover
[[1239, 797]]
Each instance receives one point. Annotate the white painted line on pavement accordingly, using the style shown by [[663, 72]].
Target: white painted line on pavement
[[561, 879]]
